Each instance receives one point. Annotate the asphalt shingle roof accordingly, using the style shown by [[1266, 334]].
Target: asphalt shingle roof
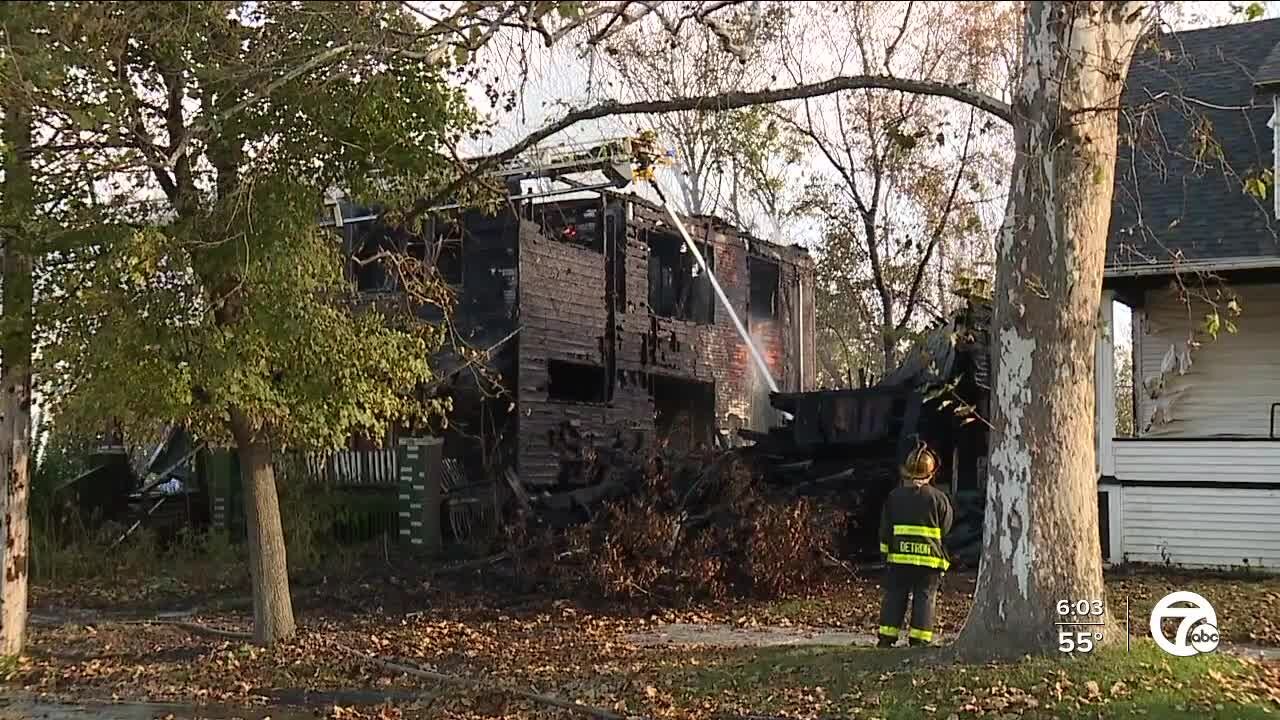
[[1188, 95], [1269, 73]]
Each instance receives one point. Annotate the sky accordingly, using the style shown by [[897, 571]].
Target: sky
[[563, 77], [548, 81]]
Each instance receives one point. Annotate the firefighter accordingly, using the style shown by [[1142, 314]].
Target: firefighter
[[916, 518]]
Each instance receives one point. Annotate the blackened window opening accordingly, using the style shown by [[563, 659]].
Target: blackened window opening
[[448, 260], [684, 412], [762, 303], [441, 248], [678, 286], [576, 382], [382, 253], [371, 267], [576, 223]]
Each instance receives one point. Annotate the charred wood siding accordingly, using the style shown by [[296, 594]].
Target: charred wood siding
[[708, 353], [807, 336], [715, 353], [564, 312], [574, 276], [585, 304], [796, 318]]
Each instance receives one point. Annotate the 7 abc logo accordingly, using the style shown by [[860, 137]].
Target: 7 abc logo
[[1197, 629]]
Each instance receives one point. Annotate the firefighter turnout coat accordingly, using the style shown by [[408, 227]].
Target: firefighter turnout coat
[[913, 523]]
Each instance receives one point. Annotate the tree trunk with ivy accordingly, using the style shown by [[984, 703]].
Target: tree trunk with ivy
[[1041, 541], [15, 372]]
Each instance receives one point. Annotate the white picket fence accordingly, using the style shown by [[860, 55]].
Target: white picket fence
[[353, 467]]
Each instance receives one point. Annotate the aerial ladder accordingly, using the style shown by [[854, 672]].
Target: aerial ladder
[[622, 160]]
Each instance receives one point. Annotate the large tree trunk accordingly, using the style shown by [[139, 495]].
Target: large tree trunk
[[268, 568], [15, 374], [15, 464], [1041, 541]]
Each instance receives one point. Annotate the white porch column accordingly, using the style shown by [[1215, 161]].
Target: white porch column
[[1104, 428]]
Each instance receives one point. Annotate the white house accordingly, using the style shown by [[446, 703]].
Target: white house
[[1199, 483]]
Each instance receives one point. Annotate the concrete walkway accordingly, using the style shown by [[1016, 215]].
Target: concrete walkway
[[719, 635], [1255, 652]]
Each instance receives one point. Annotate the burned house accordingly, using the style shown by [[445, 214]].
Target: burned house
[[846, 445], [602, 326]]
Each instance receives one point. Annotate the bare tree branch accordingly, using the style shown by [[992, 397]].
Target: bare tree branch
[[850, 171], [735, 100], [913, 295], [902, 31]]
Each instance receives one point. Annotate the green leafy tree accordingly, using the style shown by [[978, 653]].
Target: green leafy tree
[[155, 122], [214, 299]]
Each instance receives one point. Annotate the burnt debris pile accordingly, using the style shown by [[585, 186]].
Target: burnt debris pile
[[765, 512], [667, 525]]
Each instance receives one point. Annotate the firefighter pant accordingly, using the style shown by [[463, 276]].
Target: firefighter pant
[[921, 585]]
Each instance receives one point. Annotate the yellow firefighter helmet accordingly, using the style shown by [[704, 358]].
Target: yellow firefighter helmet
[[921, 464]]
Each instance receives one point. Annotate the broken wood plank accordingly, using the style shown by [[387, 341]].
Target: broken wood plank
[[517, 489]]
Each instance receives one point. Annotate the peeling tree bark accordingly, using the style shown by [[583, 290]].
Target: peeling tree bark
[[15, 373], [1041, 541]]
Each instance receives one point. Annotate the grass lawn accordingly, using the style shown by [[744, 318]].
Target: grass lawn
[[586, 652], [909, 683], [1248, 607]]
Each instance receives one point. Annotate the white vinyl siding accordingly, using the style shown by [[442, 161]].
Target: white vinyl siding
[[1156, 517], [1199, 461], [1200, 527], [1227, 385]]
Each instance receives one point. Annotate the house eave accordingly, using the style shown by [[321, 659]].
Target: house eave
[[1206, 265]]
